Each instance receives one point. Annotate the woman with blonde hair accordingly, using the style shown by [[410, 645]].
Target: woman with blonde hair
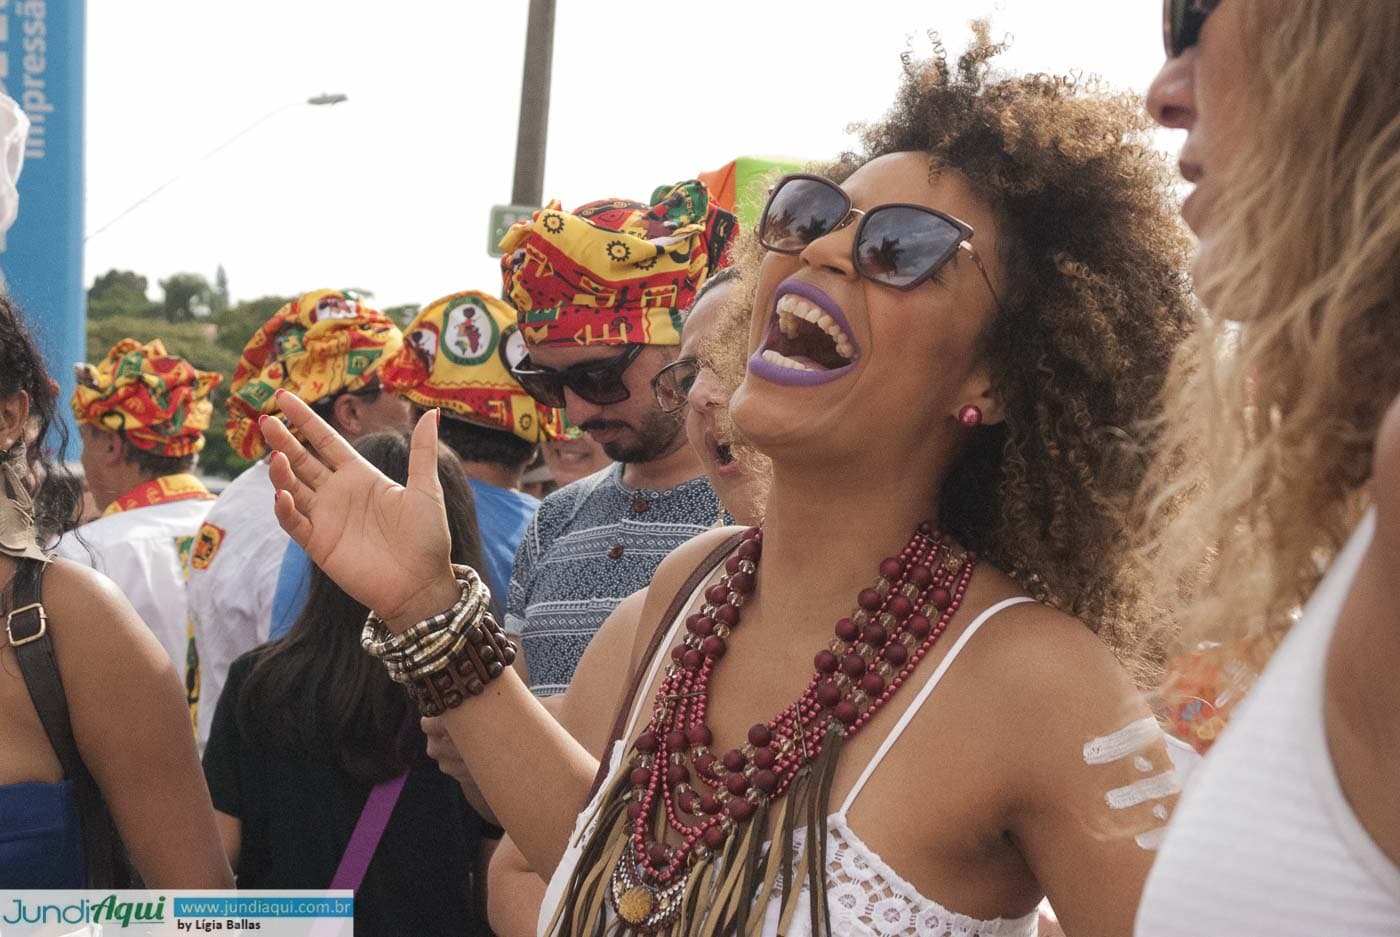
[[1278, 484], [891, 681]]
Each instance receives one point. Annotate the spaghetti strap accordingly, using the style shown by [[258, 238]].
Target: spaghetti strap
[[919, 700]]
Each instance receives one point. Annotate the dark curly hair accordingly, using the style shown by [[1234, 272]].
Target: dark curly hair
[[1094, 304], [57, 502]]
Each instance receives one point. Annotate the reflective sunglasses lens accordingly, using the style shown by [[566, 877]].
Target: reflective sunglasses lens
[[673, 384], [669, 397], [900, 246], [799, 212]]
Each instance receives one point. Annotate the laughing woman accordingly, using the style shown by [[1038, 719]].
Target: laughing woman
[[906, 677]]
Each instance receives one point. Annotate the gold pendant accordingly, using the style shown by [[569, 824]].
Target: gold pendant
[[644, 906], [635, 905]]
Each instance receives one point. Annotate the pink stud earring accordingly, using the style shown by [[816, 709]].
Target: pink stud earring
[[970, 416]]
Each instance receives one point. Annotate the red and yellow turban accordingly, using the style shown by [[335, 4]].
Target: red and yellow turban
[[614, 272], [320, 344], [457, 355], [157, 402]]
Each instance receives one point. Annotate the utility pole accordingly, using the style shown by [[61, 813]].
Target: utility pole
[[533, 128]]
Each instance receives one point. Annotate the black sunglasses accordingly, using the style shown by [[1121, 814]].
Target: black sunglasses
[[672, 383], [1182, 21], [598, 382], [896, 245]]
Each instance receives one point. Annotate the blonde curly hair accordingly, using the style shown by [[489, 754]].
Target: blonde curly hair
[[1273, 408]]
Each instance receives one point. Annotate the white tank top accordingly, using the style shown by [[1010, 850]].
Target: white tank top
[[1264, 841], [866, 895]]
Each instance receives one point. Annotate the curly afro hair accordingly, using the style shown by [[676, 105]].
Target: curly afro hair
[[1095, 302]]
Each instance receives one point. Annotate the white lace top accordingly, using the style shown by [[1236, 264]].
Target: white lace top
[[866, 896]]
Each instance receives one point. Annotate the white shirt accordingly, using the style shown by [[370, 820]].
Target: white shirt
[[234, 574], [140, 550], [1265, 842]]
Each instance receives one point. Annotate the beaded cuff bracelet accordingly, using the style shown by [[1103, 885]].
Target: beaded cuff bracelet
[[444, 659]]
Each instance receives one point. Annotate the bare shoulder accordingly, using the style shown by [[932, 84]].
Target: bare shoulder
[[1055, 685], [90, 612]]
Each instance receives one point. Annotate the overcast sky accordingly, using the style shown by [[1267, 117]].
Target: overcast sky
[[391, 191]]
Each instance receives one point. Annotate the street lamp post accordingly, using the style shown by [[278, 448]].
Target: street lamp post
[[320, 100]]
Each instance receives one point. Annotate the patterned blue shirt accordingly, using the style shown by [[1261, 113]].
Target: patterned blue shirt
[[592, 544]]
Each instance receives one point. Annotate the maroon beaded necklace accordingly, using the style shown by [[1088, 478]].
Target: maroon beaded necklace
[[705, 799]]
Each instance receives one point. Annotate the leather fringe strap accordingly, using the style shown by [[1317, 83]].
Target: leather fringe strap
[[726, 894]]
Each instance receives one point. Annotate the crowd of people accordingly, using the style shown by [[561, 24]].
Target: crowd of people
[[909, 553]]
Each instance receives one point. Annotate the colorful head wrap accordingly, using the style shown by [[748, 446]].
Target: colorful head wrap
[[320, 344], [457, 355], [614, 272], [157, 402]]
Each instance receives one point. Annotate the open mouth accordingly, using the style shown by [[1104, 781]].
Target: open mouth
[[808, 341], [724, 453]]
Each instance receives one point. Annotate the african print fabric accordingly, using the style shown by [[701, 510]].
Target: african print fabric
[[179, 487], [457, 355], [614, 272], [321, 344], [157, 402]]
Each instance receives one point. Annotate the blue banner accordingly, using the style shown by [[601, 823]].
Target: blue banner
[[41, 67]]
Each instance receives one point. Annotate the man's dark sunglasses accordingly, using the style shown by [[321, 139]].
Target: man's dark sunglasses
[[1182, 21], [598, 382], [896, 245]]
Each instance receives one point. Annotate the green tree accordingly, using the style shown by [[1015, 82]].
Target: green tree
[[119, 293], [238, 323], [184, 294]]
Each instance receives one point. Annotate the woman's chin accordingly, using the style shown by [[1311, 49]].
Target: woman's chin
[[761, 419]]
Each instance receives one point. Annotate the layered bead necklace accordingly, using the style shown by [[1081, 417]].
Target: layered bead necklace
[[718, 805]]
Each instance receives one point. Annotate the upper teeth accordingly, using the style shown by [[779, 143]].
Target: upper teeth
[[792, 307]]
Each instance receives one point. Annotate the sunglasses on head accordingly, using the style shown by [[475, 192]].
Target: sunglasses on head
[[896, 245], [672, 383], [598, 382], [1182, 21]]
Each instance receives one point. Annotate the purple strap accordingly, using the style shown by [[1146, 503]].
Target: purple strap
[[368, 831]]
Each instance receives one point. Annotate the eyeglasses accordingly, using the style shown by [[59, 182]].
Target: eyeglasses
[[896, 245], [1182, 21], [598, 382], [672, 383]]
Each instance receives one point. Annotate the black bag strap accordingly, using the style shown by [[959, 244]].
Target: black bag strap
[[707, 566], [27, 629]]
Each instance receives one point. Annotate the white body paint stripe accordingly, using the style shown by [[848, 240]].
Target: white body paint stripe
[[1153, 788], [1151, 839], [1131, 738]]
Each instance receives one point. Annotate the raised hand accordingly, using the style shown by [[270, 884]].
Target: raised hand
[[386, 545]]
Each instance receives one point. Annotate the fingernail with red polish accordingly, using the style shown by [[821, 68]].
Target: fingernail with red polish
[[437, 411]]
